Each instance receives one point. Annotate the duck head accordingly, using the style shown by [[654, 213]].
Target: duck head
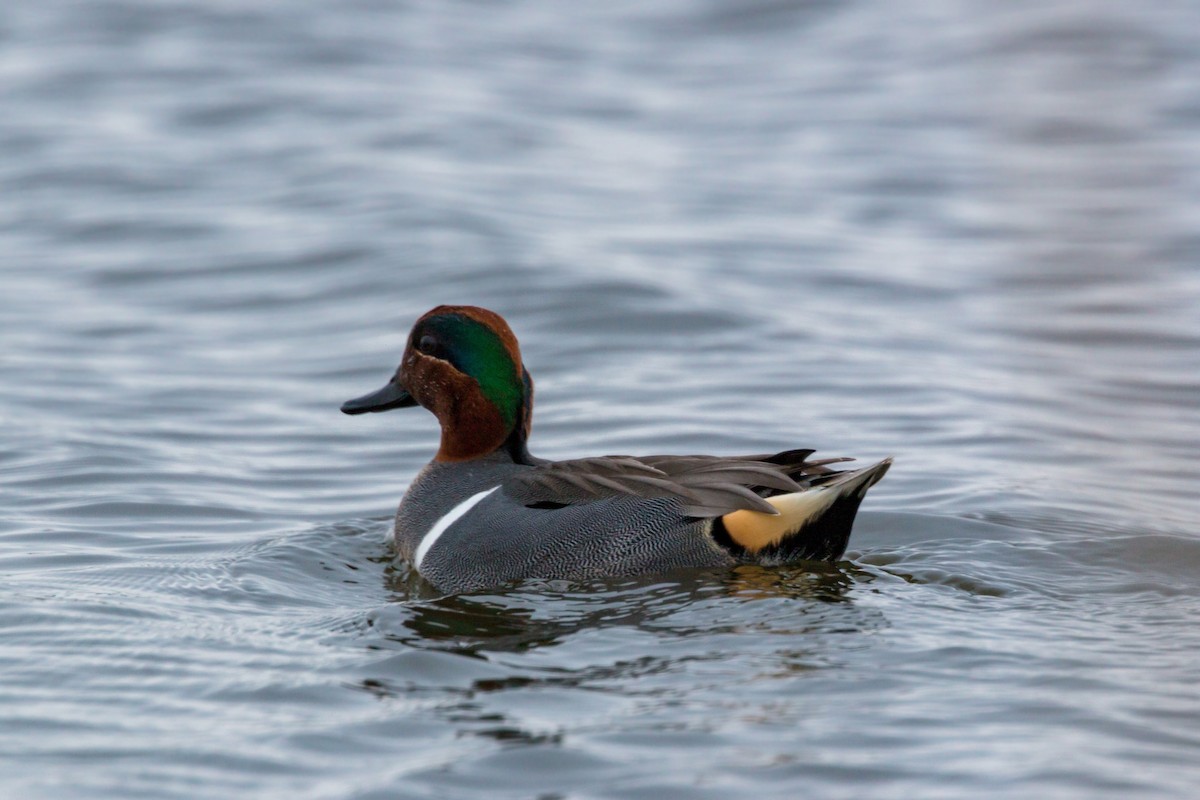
[[463, 364]]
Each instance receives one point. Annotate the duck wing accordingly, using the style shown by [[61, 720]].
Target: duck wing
[[705, 486]]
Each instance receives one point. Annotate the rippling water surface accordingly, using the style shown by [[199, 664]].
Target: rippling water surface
[[960, 233]]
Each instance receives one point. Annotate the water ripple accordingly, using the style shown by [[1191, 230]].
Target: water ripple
[[961, 235]]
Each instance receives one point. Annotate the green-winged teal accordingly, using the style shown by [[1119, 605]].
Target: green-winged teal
[[485, 511]]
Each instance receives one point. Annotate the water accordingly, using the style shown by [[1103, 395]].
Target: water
[[957, 233]]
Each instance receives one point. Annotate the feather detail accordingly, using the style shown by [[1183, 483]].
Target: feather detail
[[704, 486], [756, 532]]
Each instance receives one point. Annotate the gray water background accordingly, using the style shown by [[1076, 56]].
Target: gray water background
[[961, 233]]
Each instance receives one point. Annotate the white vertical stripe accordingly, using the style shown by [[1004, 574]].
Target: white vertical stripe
[[445, 522]]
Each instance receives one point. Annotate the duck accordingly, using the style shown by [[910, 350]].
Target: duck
[[485, 512]]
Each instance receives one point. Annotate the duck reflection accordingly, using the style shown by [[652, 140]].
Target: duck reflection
[[534, 613]]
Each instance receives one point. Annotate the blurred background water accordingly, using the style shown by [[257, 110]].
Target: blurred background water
[[961, 233]]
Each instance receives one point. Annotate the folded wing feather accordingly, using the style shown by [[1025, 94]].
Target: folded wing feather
[[705, 486]]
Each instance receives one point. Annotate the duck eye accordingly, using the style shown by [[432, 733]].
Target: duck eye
[[427, 344]]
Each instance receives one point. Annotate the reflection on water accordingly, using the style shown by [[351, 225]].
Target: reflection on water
[[537, 614], [960, 234]]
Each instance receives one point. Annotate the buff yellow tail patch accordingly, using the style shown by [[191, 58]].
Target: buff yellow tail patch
[[755, 530]]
